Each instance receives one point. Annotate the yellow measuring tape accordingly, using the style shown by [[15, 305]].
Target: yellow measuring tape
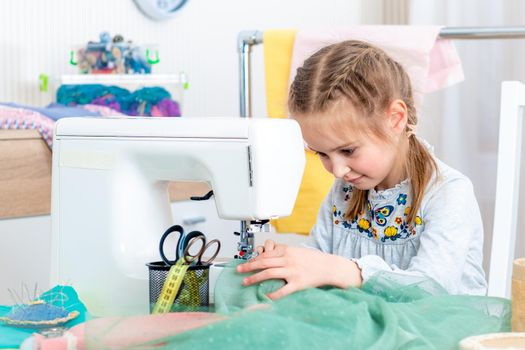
[[171, 287]]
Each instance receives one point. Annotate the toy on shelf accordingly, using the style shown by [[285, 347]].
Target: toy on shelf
[[113, 56]]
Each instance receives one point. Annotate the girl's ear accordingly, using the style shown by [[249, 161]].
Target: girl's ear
[[397, 115]]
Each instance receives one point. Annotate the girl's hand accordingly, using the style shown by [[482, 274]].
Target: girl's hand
[[301, 268], [269, 245]]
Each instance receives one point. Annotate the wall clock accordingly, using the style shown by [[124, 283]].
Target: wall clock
[[160, 9]]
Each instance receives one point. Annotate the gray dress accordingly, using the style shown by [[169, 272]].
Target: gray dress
[[445, 243]]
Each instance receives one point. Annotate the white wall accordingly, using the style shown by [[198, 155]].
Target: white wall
[[36, 36]]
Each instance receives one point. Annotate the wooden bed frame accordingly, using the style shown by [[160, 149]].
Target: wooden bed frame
[[25, 176]]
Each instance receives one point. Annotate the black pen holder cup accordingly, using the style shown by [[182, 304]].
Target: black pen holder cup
[[194, 292]]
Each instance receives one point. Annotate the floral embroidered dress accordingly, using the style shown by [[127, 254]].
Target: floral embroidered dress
[[445, 242]]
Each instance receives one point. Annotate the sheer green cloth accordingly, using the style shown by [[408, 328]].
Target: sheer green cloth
[[388, 312]]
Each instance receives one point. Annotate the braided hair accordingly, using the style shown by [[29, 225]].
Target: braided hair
[[368, 80]]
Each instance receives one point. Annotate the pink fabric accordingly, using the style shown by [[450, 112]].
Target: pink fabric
[[431, 63], [118, 333], [21, 118]]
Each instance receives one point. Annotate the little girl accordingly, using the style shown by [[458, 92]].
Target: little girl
[[393, 206]]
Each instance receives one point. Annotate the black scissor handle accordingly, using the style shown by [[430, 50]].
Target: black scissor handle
[[174, 228], [191, 258]]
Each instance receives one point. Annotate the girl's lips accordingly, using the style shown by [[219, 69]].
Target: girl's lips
[[355, 179]]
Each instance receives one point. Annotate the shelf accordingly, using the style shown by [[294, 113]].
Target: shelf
[[124, 79]]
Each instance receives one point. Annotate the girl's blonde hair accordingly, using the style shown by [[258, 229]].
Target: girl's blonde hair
[[366, 77]]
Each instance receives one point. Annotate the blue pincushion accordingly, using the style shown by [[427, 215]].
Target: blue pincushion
[[53, 308], [38, 314]]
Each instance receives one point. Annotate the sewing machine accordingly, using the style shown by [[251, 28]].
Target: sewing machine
[[110, 201]]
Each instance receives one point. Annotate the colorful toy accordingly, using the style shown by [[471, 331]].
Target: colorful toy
[[113, 56]]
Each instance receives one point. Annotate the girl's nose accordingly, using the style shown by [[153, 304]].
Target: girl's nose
[[340, 170]]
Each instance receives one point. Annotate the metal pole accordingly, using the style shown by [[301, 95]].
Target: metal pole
[[245, 40], [513, 32]]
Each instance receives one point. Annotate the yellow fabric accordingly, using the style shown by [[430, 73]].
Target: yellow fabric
[[316, 182]]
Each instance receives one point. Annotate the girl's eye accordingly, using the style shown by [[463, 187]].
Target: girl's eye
[[347, 152], [322, 155]]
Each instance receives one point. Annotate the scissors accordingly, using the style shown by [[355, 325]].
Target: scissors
[[184, 242]]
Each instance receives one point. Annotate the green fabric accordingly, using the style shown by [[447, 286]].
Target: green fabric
[[231, 296], [388, 312], [62, 296]]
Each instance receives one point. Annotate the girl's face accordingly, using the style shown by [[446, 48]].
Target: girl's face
[[363, 160]]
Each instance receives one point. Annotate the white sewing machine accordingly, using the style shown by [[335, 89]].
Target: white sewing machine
[[110, 201]]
